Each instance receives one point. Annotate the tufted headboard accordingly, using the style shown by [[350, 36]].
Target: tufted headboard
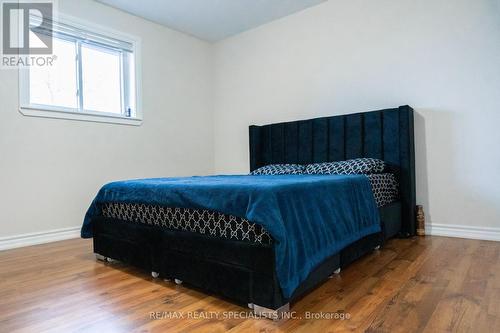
[[384, 134]]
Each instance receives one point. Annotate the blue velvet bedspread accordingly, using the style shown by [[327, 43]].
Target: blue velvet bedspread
[[311, 217]]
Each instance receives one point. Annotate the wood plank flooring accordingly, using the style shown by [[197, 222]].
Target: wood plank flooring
[[431, 284]]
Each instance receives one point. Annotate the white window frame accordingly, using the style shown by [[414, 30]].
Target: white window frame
[[50, 111]]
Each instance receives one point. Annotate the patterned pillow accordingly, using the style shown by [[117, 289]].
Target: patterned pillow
[[349, 167], [280, 169]]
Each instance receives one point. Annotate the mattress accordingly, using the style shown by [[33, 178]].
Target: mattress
[[215, 224]]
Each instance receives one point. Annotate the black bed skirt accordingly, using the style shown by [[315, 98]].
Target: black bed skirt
[[243, 272]]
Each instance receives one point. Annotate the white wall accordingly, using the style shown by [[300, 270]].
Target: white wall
[[442, 57], [51, 169]]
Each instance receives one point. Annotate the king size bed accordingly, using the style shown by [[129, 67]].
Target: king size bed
[[322, 193]]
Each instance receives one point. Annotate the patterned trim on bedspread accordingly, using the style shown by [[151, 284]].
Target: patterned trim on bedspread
[[199, 221], [385, 188], [215, 224]]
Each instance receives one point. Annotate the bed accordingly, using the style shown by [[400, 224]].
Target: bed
[[223, 253]]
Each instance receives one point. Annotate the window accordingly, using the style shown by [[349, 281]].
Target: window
[[93, 76]]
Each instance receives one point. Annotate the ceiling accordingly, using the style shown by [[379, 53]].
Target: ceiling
[[211, 20]]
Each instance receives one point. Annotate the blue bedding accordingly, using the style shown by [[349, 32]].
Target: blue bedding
[[310, 217]]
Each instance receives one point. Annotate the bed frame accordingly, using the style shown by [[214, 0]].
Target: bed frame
[[244, 272]]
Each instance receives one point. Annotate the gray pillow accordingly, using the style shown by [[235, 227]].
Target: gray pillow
[[279, 169], [348, 167]]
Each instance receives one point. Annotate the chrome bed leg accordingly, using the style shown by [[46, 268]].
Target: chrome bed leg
[[100, 257], [275, 314], [376, 248], [335, 272]]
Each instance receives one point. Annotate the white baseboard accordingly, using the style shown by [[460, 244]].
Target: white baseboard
[[435, 229], [12, 242], [462, 231]]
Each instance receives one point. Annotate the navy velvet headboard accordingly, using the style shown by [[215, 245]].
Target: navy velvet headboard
[[385, 134]]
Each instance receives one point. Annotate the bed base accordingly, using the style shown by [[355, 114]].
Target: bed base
[[177, 281], [239, 271], [259, 311]]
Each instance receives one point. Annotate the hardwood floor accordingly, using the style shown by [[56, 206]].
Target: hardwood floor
[[431, 284]]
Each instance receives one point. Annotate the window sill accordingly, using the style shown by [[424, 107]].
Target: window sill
[[34, 111]]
